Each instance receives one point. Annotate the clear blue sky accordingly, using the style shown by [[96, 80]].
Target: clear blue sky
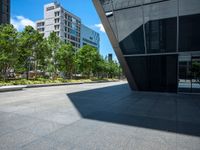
[[32, 10]]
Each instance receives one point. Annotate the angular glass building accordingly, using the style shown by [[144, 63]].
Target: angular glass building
[[152, 38]]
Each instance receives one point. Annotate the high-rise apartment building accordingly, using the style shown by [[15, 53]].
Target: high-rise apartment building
[[67, 26], [155, 40], [4, 11]]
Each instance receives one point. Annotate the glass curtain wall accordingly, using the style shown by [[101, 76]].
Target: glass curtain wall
[[151, 35]]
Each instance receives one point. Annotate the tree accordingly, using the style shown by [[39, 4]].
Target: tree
[[100, 68], [43, 55], [40, 51], [54, 44], [32, 50], [65, 58], [87, 59], [113, 68], [8, 49]]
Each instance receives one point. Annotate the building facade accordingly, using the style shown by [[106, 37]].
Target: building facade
[[4, 11], [89, 37], [67, 26], [151, 38]]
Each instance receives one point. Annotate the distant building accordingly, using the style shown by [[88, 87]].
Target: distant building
[[110, 57], [4, 11], [89, 37], [67, 26]]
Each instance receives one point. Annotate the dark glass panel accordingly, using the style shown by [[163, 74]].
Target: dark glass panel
[[184, 70], [129, 23], [161, 35], [189, 33], [134, 43], [154, 73]]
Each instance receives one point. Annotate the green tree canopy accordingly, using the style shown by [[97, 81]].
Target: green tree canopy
[[28, 44], [8, 49], [54, 44], [65, 57], [87, 59]]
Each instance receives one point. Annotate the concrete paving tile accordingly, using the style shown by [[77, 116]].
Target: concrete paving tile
[[5, 129], [5, 116], [187, 142], [15, 139], [42, 128], [9, 108], [30, 110], [64, 118], [152, 135], [75, 132], [103, 140], [46, 144], [19, 122], [141, 144]]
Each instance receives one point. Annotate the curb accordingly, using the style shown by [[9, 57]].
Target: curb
[[61, 84], [48, 85], [100, 81], [21, 87], [12, 88]]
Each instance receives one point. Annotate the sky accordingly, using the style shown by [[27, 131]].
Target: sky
[[26, 12]]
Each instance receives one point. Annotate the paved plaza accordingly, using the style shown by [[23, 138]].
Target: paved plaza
[[100, 116]]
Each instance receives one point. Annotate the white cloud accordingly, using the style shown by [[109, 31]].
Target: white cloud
[[100, 27], [20, 22]]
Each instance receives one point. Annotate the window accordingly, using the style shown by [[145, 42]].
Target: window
[[69, 18], [189, 33], [154, 73], [72, 32], [57, 14], [73, 43], [58, 33], [69, 24], [65, 16], [40, 29], [39, 24], [74, 27], [161, 35], [73, 20], [73, 38], [161, 27], [130, 28], [57, 20], [56, 27]]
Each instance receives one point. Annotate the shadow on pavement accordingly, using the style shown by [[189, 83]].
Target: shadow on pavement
[[177, 113]]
